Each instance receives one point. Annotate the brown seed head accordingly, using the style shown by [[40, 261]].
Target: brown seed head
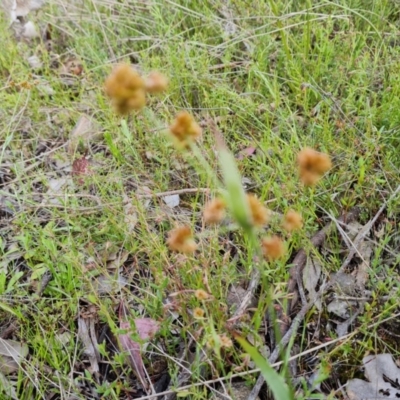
[[292, 221], [259, 213], [214, 211], [198, 313], [312, 165], [180, 240], [185, 129], [201, 294], [272, 248], [136, 102], [156, 82], [225, 341], [125, 87]]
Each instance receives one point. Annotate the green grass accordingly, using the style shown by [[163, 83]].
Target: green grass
[[294, 73]]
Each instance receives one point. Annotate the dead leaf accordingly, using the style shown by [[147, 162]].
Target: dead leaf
[[30, 31], [87, 334], [146, 329], [104, 284], [341, 308], [311, 275], [130, 214], [20, 8], [55, 186], [8, 387], [12, 353], [35, 62], [249, 151], [172, 200], [383, 376]]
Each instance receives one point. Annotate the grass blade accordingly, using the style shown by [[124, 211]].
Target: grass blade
[[276, 383]]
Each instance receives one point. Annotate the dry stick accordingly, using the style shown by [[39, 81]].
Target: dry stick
[[41, 155], [172, 192], [247, 298]]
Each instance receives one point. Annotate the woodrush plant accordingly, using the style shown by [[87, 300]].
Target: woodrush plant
[[127, 91], [347, 104]]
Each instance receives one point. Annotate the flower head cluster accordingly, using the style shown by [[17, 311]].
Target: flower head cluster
[[198, 313], [260, 214], [225, 341], [184, 129], [312, 165], [127, 89], [214, 211], [180, 239], [273, 248], [292, 221], [220, 341], [201, 294]]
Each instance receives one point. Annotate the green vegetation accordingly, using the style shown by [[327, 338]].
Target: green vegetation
[[272, 77]]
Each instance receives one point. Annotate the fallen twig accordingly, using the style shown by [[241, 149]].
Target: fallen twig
[[247, 298], [173, 192]]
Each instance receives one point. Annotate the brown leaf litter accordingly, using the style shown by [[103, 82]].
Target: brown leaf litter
[[145, 328], [383, 379]]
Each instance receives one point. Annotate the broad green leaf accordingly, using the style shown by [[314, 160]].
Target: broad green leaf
[[275, 382], [236, 197]]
